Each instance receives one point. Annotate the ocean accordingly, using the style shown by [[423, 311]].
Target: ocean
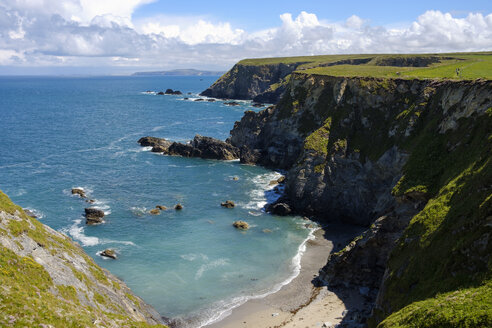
[[193, 266]]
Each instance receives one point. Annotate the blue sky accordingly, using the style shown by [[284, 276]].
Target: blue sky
[[123, 36], [256, 14]]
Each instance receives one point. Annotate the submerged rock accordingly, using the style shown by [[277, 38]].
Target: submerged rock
[[232, 103], [242, 225], [228, 204], [257, 105], [79, 191], [155, 211], [161, 207], [199, 99], [109, 253], [93, 216], [160, 93], [178, 207]]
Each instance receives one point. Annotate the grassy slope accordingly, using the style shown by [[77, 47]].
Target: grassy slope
[[441, 270], [28, 296], [472, 65]]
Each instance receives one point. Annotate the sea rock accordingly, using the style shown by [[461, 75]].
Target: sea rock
[[273, 182], [199, 99], [242, 225], [160, 93], [159, 145], [232, 103], [178, 207], [281, 179], [257, 105], [173, 92], [211, 100], [161, 207], [93, 216], [228, 204], [109, 253], [155, 211], [205, 147], [279, 209], [235, 178], [90, 201], [79, 191]]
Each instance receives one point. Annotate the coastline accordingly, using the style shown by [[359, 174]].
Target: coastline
[[300, 301]]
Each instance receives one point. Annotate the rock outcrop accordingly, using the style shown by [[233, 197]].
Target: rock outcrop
[[400, 156], [261, 83], [93, 216], [48, 281], [228, 204], [200, 146], [241, 225]]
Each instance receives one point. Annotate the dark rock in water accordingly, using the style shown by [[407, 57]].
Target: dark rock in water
[[199, 99], [257, 105], [242, 225], [232, 103], [205, 147], [178, 207], [186, 98], [210, 100], [30, 213], [159, 145], [281, 179], [93, 216], [180, 149], [161, 207], [228, 204], [154, 211], [279, 209], [78, 191], [109, 253], [173, 92], [90, 201], [160, 93]]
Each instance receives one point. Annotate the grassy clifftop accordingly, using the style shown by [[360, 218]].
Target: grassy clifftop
[[471, 65], [48, 281]]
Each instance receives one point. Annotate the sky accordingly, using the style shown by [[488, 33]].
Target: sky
[[98, 37]]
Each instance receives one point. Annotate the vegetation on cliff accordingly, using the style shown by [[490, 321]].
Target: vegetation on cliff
[[48, 281], [364, 145]]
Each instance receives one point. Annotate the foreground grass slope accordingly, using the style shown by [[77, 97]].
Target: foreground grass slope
[[48, 281]]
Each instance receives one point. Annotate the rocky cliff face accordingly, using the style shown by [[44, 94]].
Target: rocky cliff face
[[48, 281], [410, 157], [261, 83]]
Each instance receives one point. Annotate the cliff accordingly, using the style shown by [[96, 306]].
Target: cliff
[[261, 83], [410, 159], [48, 281]]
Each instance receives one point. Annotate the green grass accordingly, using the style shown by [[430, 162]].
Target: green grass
[[472, 65], [28, 295]]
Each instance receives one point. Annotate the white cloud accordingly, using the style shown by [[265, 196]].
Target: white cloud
[[94, 32]]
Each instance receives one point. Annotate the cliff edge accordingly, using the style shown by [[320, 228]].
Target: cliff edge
[[48, 281], [411, 159]]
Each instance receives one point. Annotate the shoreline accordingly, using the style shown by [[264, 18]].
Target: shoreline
[[299, 301]]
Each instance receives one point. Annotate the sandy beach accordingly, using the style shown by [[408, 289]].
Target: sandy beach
[[300, 303]]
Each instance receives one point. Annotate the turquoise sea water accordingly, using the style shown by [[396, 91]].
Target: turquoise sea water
[[191, 265]]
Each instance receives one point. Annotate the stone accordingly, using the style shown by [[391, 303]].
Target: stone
[[159, 145], [160, 93], [228, 204], [178, 207], [273, 182], [235, 178], [280, 209], [205, 147], [109, 253], [211, 100], [155, 211], [232, 103], [93, 216], [90, 201], [257, 105], [173, 92], [161, 207], [79, 191], [241, 225], [199, 99], [281, 179], [30, 213]]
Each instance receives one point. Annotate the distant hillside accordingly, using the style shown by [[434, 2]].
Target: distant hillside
[[179, 72]]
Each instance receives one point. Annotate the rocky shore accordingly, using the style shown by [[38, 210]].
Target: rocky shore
[[375, 153]]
